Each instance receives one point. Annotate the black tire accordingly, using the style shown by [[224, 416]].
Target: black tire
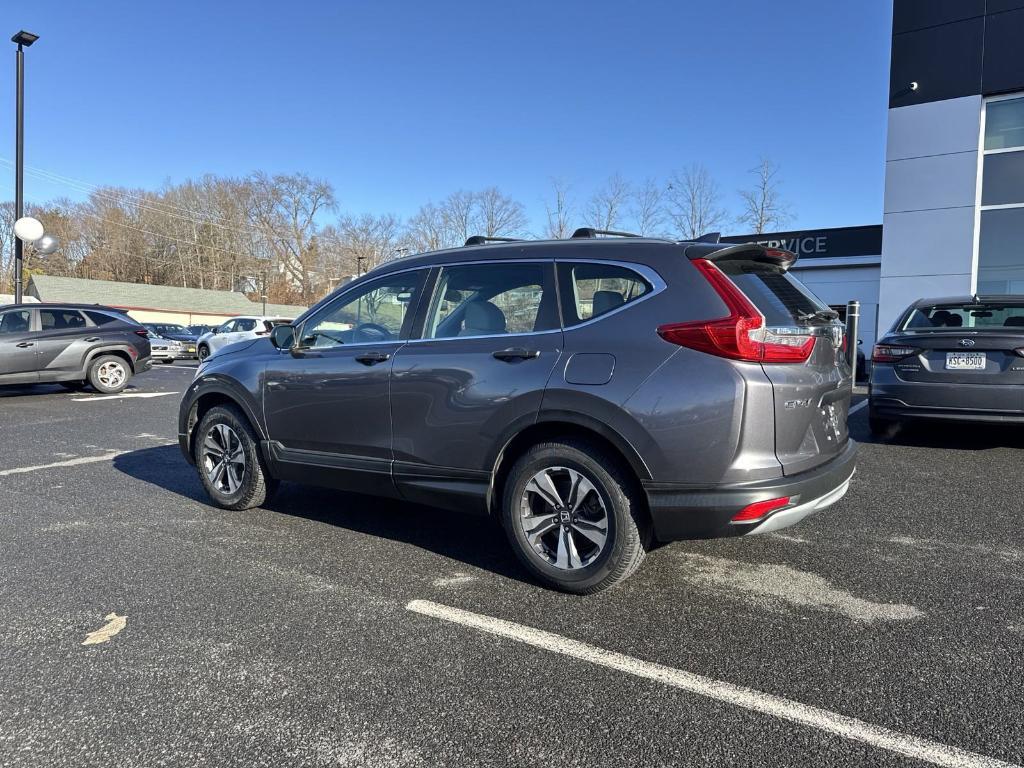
[[627, 529], [254, 485], [202, 352], [168, 361], [74, 386], [109, 374]]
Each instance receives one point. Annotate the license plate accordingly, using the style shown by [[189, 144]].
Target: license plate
[[191, 349], [965, 361]]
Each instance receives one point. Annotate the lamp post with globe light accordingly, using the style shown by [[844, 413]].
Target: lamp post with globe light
[[24, 40]]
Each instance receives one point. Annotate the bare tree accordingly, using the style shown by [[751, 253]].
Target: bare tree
[[607, 206], [559, 211], [498, 215], [459, 213], [648, 208], [694, 202], [763, 206], [426, 230]]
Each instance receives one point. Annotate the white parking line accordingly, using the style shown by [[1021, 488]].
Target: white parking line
[[857, 407], [110, 455], [94, 398], [831, 722], [65, 463]]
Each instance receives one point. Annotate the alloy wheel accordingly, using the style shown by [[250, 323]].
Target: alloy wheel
[[111, 374], [564, 518], [223, 459]]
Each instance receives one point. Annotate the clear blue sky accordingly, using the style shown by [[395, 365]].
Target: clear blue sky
[[397, 103]]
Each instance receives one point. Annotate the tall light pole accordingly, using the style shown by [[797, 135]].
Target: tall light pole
[[24, 40]]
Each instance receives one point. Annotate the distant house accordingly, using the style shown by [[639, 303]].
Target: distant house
[[154, 303]]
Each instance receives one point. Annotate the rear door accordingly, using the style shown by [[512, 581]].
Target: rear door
[[62, 342], [812, 398], [490, 340]]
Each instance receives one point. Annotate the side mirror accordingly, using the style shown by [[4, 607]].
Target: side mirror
[[859, 342], [283, 336]]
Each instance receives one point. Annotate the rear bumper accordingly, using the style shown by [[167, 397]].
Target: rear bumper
[[897, 410], [685, 512], [143, 364]]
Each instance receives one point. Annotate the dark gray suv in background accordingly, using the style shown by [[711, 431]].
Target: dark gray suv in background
[[595, 394], [71, 344]]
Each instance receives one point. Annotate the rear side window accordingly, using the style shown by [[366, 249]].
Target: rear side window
[[590, 290], [246, 324], [60, 319], [102, 318], [781, 298]]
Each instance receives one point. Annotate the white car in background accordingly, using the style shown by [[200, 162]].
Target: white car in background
[[163, 349], [237, 329]]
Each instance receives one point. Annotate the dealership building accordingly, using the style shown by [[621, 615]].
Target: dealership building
[[953, 218]]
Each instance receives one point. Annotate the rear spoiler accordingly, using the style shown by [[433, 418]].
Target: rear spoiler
[[743, 251]]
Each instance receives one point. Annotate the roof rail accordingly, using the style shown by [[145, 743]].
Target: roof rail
[[709, 237], [481, 239], [591, 233]]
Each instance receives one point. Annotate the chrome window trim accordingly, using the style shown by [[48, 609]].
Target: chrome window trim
[[658, 285]]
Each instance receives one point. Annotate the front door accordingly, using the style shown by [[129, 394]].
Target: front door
[[17, 347], [326, 400], [490, 341]]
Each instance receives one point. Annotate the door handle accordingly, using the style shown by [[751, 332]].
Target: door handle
[[372, 358], [516, 353], [25, 344], [93, 338]]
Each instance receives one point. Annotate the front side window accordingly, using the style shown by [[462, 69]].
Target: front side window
[[591, 290], [975, 316], [14, 321], [371, 313], [491, 300], [1000, 249], [60, 319], [227, 327]]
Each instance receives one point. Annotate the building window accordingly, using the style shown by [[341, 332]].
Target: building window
[[1001, 240]]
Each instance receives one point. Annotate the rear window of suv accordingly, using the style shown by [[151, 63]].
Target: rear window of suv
[[782, 299], [590, 290], [943, 316]]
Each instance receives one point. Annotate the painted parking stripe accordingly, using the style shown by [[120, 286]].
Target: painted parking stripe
[[857, 407], [110, 455], [747, 698], [94, 398]]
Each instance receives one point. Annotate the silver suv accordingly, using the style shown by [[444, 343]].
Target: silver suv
[[595, 395], [236, 329]]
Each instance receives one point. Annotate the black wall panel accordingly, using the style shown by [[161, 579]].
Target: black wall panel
[[909, 15], [1004, 53], [998, 6], [945, 62]]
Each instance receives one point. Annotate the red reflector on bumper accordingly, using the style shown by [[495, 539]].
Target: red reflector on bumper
[[759, 509]]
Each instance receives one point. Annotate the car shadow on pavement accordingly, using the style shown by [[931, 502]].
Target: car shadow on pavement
[[949, 436], [472, 539]]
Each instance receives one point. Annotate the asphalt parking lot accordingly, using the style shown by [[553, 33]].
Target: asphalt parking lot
[[334, 630]]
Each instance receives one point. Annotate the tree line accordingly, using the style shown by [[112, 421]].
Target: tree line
[[284, 234]]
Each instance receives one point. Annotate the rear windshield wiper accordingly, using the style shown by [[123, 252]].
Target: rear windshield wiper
[[821, 314]]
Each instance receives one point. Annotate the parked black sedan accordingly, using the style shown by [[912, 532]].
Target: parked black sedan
[[957, 359]]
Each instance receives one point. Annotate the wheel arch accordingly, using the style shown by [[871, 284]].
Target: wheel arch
[[559, 426], [210, 397], [121, 352]]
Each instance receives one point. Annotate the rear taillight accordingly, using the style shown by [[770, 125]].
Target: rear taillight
[[760, 510], [890, 353], [742, 335]]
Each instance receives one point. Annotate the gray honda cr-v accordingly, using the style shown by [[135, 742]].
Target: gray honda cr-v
[[595, 394]]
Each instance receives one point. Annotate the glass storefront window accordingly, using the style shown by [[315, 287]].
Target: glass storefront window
[[1004, 124], [1001, 236]]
